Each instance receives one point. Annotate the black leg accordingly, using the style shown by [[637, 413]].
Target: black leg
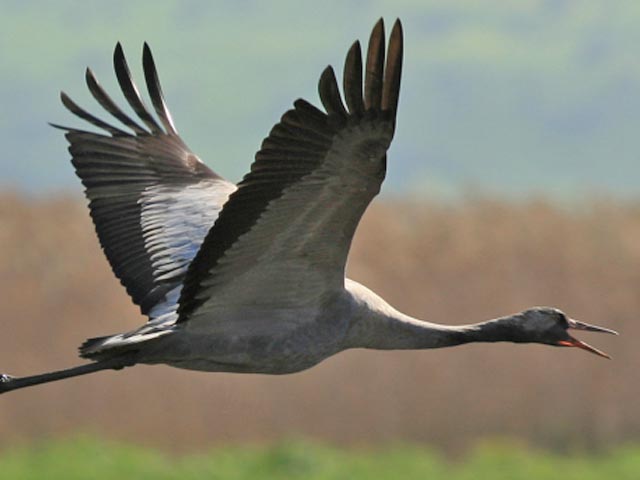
[[8, 383]]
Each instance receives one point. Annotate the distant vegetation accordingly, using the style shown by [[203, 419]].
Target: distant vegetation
[[449, 264], [87, 458], [511, 97]]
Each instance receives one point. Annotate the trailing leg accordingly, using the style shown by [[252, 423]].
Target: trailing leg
[[8, 383]]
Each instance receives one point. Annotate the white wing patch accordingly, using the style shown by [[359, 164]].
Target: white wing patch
[[174, 224]]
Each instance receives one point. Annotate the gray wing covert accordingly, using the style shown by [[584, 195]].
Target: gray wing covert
[[283, 237]]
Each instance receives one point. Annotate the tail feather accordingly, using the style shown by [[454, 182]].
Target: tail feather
[[92, 345], [99, 348]]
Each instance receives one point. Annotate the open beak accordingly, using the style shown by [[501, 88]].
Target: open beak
[[574, 342]]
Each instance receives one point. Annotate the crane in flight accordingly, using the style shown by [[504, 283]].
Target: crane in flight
[[250, 278]]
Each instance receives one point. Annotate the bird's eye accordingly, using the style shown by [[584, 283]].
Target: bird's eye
[[562, 319]]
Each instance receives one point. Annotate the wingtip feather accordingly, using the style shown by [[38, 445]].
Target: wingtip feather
[[352, 80], [393, 69], [108, 104], [130, 90], [329, 93], [82, 113], [155, 90], [374, 68]]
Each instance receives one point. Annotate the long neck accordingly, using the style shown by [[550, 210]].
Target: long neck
[[377, 325]]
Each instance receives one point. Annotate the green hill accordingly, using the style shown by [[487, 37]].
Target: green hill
[[511, 97]]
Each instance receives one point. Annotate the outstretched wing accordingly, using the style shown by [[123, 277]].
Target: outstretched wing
[[151, 199], [283, 237]]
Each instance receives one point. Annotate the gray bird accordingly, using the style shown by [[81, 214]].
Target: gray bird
[[250, 278]]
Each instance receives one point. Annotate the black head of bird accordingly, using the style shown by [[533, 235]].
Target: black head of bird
[[551, 326]]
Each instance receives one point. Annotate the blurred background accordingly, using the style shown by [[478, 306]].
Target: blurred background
[[514, 180]]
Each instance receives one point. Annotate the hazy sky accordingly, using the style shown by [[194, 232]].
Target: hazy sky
[[508, 97]]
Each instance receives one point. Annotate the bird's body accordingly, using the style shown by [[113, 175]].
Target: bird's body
[[250, 278], [260, 340], [285, 340]]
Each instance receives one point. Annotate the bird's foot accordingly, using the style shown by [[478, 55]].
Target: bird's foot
[[5, 382]]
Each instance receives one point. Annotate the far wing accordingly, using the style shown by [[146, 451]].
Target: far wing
[[151, 199], [283, 237]]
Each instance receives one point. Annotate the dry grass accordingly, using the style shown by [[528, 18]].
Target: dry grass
[[447, 264]]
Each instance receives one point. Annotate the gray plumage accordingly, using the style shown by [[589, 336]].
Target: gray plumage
[[251, 278]]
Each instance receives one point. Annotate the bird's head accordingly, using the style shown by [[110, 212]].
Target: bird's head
[[551, 327]]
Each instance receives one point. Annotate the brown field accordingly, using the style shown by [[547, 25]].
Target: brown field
[[449, 264]]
